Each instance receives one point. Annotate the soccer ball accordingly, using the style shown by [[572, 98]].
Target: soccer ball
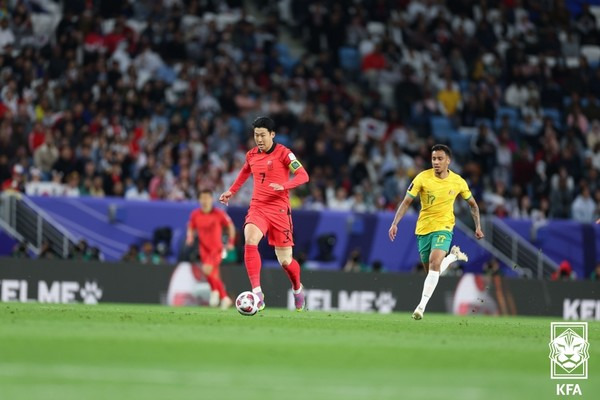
[[247, 303]]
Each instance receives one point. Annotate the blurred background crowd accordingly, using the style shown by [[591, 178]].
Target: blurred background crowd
[[154, 99]]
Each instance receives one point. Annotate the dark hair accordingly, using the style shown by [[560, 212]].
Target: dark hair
[[442, 147], [264, 122], [205, 190]]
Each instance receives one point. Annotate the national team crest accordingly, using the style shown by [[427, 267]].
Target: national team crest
[[569, 350]]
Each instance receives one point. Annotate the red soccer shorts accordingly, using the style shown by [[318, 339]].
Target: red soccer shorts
[[276, 224], [213, 258]]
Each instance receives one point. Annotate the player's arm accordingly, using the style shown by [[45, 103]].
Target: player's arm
[[300, 176], [189, 237], [402, 209], [476, 218], [228, 224], [237, 184]]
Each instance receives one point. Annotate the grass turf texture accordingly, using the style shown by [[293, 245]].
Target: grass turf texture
[[153, 352]]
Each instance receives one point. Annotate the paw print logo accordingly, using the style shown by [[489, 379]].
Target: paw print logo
[[90, 293], [385, 302]]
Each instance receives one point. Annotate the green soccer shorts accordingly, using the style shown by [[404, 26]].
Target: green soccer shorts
[[432, 241]]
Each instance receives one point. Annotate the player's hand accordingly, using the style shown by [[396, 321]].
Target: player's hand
[[392, 232], [598, 221], [276, 187], [224, 198], [479, 234], [189, 240], [229, 246]]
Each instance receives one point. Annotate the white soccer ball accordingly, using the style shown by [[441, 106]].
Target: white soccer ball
[[247, 303]]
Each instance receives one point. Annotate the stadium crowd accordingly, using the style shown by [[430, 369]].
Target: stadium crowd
[[154, 99]]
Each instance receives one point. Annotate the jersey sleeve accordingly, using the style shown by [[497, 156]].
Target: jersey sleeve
[[290, 161], [192, 220], [415, 186], [465, 192]]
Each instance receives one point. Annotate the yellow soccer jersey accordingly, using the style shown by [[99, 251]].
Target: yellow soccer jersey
[[437, 200]]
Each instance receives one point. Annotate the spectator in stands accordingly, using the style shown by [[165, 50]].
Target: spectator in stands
[[483, 148], [584, 207], [377, 266], [561, 194], [45, 155], [586, 25], [16, 182], [148, 255], [354, 262], [449, 98], [160, 99], [20, 250], [564, 272], [81, 250], [492, 267], [595, 275], [132, 254], [577, 119], [337, 198], [46, 250], [315, 201], [137, 192]]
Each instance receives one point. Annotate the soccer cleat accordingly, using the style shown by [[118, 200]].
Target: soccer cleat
[[300, 300], [460, 256], [418, 314], [213, 301], [226, 302], [261, 302]]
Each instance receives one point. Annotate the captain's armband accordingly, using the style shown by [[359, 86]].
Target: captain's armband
[[295, 165]]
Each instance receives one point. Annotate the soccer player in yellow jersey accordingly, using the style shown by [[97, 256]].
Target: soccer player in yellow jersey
[[438, 188]]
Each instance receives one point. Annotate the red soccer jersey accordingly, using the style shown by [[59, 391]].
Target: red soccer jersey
[[209, 227], [270, 167]]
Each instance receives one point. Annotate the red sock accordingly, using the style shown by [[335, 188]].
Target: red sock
[[212, 282], [293, 272], [219, 285], [253, 264]]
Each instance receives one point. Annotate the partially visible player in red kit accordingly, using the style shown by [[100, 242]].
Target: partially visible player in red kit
[[208, 222], [270, 213]]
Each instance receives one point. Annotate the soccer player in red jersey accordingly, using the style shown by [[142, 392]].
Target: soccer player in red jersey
[[208, 222], [270, 213]]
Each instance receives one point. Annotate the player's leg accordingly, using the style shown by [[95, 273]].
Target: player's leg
[[253, 235], [454, 255], [424, 244], [438, 244], [215, 275], [281, 237], [207, 269], [292, 269]]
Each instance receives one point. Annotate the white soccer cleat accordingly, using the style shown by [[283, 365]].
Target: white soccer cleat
[[418, 314], [214, 299], [226, 302], [460, 256]]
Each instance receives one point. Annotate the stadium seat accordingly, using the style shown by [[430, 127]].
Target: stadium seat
[[572, 62], [554, 114], [441, 127], [484, 121], [511, 112], [460, 143], [592, 54], [349, 58], [376, 29]]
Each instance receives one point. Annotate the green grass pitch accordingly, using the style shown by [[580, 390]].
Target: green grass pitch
[[155, 352]]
